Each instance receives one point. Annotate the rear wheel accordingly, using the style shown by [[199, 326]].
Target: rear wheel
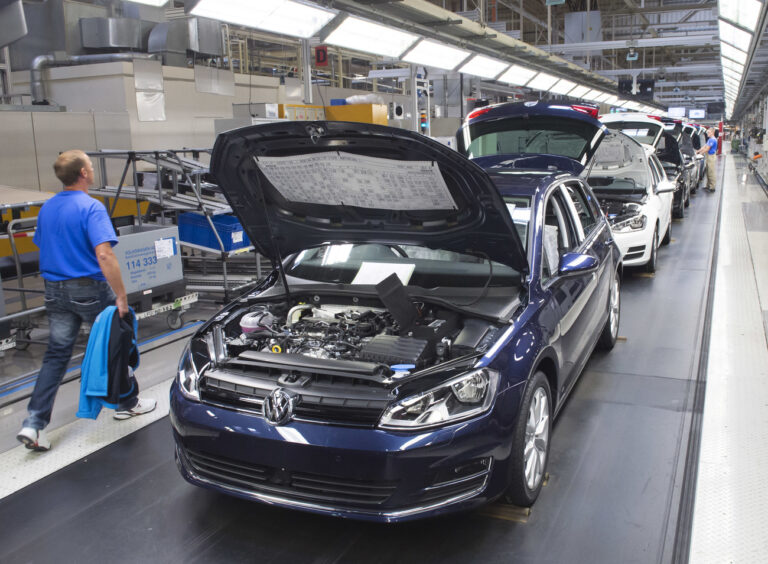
[[650, 266], [611, 328], [530, 444]]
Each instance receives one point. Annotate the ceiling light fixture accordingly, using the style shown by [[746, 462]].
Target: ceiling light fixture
[[517, 75], [433, 54], [484, 67], [368, 37], [563, 87], [285, 17], [542, 81], [735, 36]]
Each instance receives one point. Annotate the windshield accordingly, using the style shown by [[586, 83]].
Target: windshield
[[528, 135], [640, 131], [369, 263], [619, 167]]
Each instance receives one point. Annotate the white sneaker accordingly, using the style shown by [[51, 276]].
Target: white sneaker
[[144, 405], [34, 439]]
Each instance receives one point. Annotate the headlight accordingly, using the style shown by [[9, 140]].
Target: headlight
[[462, 397], [188, 376], [632, 224]]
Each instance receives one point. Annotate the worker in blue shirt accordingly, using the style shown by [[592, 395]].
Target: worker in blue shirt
[[82, 277], [710, 148]]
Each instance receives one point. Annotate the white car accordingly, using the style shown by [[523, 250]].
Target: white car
[[635, 195]]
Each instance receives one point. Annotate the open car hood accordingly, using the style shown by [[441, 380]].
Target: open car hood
[[643, 130], [297, 185], [531, 135]]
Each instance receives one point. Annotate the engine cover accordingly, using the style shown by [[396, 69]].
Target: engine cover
[[391, 349]]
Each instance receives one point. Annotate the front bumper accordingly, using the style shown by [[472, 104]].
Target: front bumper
[[635, 246], [353, 472]]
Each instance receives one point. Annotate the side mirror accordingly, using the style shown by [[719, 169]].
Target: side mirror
[[576, 263], [665, 186]]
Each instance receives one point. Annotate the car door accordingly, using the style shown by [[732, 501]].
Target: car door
[[595, 240], [665, 199], [570, 294]]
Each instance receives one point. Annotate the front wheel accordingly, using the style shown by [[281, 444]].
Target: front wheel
[[530, 444], [611, 328], [668, 235], [650, 266]]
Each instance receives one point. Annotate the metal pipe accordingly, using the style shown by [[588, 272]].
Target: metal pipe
[[41, 62]]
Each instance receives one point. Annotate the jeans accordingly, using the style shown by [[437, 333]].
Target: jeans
[[68, 303]]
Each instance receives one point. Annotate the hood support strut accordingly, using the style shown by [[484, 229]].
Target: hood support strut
[[275, 246]]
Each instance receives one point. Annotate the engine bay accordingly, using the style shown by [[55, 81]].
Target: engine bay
[[358, 333], [393, 332]]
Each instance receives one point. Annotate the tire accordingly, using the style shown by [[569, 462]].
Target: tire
[[530, 443], [668, 235], [650, 266], [174, 320], [611, 328], [679, 213], [688, 200]]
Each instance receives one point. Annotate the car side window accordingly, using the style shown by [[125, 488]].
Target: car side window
[[558, 235], [584, 211]]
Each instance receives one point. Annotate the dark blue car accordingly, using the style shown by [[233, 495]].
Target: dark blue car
[[425, 321]]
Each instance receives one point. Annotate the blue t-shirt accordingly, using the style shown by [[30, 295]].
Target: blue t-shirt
[[712, 144], [69, 226]]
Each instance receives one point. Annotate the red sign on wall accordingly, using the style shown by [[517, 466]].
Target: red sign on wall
[[321, 56]]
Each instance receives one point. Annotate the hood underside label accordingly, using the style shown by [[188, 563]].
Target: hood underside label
[[344, 179]]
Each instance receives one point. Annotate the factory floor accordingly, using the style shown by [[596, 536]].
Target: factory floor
[[658, 456]]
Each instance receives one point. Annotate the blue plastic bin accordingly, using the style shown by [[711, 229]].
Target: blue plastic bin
[[194, 228], [338, 102]]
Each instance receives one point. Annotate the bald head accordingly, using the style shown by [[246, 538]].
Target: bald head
[[72, 167]]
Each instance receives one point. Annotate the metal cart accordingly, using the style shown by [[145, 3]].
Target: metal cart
[[17, 200]]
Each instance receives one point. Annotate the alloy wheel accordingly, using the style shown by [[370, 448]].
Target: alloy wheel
[[536, 438], [613, 313]]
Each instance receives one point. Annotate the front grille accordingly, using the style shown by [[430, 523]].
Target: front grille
[[316, 404], [300, 486]]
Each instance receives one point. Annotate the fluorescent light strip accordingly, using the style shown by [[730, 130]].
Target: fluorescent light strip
[[542, 81], [368, 37], [156, 3], [592, 95], [602, 97], [731, 65], [277, 16], [735, 36], [517, 75], [579, 91], [484, 67], [612, 100], [433, 54], [732, 52], [743, 12], [563, 87]]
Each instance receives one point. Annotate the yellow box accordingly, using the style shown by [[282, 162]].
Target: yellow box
[[362, 113], [301, 112]]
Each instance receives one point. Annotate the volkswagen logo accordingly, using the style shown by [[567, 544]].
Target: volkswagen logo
[[278, 406]]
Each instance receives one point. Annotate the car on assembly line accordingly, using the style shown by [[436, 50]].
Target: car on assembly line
[[635, 196], [698, 140], [424, 324], [650, 131]]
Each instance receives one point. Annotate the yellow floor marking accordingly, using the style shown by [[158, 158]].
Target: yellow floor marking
[[621, 338], [644, 275], [507, 512]]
